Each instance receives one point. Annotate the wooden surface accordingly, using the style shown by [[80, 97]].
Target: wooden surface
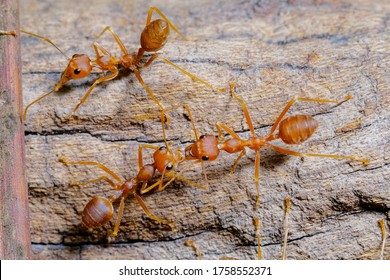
[[14, 222], [273, 51]]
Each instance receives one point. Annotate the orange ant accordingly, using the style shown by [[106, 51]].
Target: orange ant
[[153, 38], [99, 210], [292, 130]]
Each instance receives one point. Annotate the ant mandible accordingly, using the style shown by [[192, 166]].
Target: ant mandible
[[291, 130], [99, 210], [153, 38]]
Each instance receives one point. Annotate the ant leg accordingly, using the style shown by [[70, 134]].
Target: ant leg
[[292, 101], [174, 177], [191, 243], [98, 48], [98, 81], [155, 9], [150, 215], [244, 109], [144, 190], [178, 176], [196, 139], [141, 81], [150, 60], [140, 156], [240, 156], [221, 126], [257, 227], [257, 172], [103, 178], [188, 74], [95, 163], [116, 37], [192, 121], [298, 154], [287, 203], [118, 219], [381, 224], [140, 164]]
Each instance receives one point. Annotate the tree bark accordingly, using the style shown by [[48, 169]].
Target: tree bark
[[273, 51], [14, 218]]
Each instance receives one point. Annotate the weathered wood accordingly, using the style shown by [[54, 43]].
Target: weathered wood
[[273, 51], [15, 240]]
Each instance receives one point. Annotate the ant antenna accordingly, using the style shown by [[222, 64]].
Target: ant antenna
[[45, 39]]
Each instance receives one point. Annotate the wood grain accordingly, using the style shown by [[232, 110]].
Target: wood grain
[[14, 217], [273, 50]]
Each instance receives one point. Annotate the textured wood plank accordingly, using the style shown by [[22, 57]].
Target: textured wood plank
[[15, 240], [274, 51]]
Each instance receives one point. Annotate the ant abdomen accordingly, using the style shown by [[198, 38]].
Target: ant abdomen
[[97, 212], [154, 36], [296, 129]]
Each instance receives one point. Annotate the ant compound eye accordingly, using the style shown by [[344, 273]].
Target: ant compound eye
[[202, 136], [169, 166], [77, 71], [162, 148], [205, 158]]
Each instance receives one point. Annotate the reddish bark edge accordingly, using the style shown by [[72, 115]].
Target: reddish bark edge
[[14, 218]]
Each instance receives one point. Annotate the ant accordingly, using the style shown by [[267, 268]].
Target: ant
[[153, 38], [291, 130], [99, 210]]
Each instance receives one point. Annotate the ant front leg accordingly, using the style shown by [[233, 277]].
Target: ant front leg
[[98, 81]]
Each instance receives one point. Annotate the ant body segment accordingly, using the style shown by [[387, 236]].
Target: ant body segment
[[153, 38]]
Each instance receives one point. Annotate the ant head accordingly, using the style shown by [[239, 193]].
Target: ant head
[[205, 148], [155, 35], [164, 159], [78, 67]]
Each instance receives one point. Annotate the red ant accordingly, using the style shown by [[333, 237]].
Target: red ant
[[292, 130], [153, 38], [99, 210]]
